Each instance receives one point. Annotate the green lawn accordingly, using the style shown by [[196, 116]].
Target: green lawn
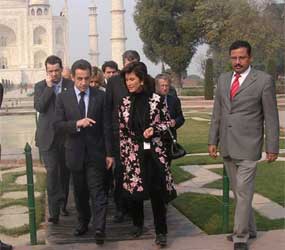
[[269, 181], [282, 143], [8, 185], [193, 135], [205, 211]]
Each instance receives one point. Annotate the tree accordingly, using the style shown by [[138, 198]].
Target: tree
[[225, 21], [209, 80], [272, 68], [169, 31]]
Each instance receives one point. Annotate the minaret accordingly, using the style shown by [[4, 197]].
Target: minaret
[[66, 33], [118, 38], [93, 35]]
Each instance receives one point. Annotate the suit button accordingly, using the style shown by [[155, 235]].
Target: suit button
[[230, 126]]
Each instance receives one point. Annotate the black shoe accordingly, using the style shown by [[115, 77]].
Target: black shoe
[[240, 246], [230, 237], [118, 217], [64, 212], [137, 231], [4, 246], [53, 220], [99, 237], [80, 229], [161, 240]]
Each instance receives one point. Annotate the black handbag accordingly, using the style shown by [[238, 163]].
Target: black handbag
[[176, 150]]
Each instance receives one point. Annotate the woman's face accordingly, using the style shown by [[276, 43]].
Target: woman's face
[[95, 81], [134, 84]]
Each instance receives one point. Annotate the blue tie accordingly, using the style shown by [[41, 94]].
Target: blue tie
[[56, 88]]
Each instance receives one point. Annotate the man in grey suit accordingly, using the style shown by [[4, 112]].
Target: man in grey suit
[[49, 141], [245, 107]]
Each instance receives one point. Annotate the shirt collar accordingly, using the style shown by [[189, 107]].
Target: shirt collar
[[245, 73], [77, 91]]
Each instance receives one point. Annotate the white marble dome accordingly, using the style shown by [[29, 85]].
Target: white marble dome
[[39, 2]]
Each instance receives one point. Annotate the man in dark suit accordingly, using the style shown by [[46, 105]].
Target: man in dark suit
[[163, 84], [80, 114], [50, 142], [3, 246], [245, 107]]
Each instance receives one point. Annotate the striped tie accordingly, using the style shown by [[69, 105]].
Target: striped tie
[[235, 86]]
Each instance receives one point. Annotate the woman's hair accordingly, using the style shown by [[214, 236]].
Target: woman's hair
[[96, 72], [140, 70]]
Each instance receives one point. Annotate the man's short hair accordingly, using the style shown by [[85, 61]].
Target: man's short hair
[[131, 55], [81, 64], [240, 44], [163, 76], [110, 64], [53, 60]]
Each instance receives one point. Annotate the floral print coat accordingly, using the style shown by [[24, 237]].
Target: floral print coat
[[131, 151]]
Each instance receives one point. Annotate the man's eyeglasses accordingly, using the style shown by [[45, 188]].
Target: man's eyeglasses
[[239, 58]]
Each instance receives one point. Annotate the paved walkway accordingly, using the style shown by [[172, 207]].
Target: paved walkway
[[272, 240]]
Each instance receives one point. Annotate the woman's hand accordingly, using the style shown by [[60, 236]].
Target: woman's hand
[[148, 133]]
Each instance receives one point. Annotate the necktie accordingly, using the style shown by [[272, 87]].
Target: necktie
[[56, 88], [235, 86], [82, 105]]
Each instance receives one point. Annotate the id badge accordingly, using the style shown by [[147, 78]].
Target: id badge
[[146, 145]]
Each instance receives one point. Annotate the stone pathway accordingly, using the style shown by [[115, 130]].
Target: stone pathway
[[274, 240]]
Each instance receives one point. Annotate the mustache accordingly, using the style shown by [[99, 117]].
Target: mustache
[[238, 65]]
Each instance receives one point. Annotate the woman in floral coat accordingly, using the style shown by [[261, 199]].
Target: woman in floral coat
[[143, 120]]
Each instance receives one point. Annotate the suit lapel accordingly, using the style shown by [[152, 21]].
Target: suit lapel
[[74, 102], [92, 101], [64, 86], [228, 87], [251, 78]]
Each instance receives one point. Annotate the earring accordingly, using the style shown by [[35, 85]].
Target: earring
[[141, 83]]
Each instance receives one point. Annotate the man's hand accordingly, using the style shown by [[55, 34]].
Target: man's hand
[[109, 162], [148, 133], [172, 123], [49, 81], [85, 122], [270, 157], [212, 149]]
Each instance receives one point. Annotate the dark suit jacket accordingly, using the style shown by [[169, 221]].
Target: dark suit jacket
[[175, 111], [88, 144], [1, 94], [44, 103]]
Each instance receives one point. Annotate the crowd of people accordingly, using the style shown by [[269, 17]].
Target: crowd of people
[[105, 129], [81, 137]]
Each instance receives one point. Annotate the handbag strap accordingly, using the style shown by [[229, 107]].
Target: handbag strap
[[171, 135]]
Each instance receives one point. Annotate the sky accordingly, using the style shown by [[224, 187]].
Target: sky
[[78, 32]]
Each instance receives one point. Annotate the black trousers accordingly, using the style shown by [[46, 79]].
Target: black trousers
[[90, 183], [64, 176], [55, 164], [159, 209]]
